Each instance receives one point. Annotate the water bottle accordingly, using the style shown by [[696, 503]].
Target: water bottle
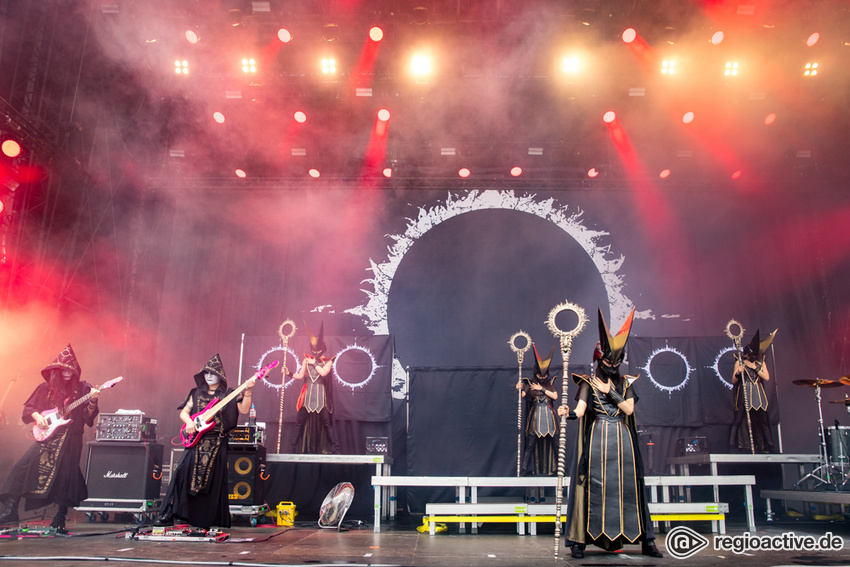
[[252, 415]]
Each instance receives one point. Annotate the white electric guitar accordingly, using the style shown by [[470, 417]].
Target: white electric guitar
[[56, 418]]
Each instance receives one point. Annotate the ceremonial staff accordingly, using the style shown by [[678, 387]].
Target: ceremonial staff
[[736, 338], [520, 354], [566, 339], [284, 339]]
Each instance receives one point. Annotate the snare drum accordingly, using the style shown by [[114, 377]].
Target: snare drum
[[838, 445]]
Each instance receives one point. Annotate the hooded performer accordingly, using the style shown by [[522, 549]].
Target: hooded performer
[[197, 493], [754, 372], [316, 398], [49, 472], [541, 428], [607, 503]]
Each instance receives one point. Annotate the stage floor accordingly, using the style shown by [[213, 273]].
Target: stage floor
[[398, 544]]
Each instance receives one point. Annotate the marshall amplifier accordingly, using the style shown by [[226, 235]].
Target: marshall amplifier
[[123, 471], [125, 427]]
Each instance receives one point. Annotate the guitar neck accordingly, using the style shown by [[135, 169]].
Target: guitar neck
[[71, 406], [220, 405]]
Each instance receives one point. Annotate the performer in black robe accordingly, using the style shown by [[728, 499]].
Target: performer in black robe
[[197, 493], [751, 373], [49, 471], [607, 501], [315, 403], [540, 456]]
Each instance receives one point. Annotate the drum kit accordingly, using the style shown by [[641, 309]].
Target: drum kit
[[835, 441]]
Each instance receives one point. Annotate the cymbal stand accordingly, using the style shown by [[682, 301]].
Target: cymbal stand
[[825, 466]]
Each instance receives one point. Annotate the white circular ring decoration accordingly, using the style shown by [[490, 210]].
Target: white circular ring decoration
[[514, 337], [669, 389], [263, 356], [716, 365], [355, 385], [566, 306]]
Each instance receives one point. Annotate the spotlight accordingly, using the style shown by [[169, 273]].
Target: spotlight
[[717, 38], [736, 174], [383, 115], [300, 117], [376, 34], [387, 172], [688, 117], [770, 119], [570, 65], [284, 36], [249, 66], [192, 37], [592, 172], [328, 66], [812, 39], [464, 172], [810, 70], [731, 69], [11, 148], [629, 35], [664, 173], [609, 117], [218, 117], [314, 173], [330, 32], [241, 174], [420, 65], [668, 67], [181, 67], [516, 171], [2, 207]]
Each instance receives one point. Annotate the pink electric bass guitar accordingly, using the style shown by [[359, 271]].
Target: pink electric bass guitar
[[56, 418], [203, 420]]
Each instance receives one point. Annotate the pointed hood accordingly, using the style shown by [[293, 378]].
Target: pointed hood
[[756, 348], [613, 348], [66, 360], [317, 342], [214, 366], [541, 366]]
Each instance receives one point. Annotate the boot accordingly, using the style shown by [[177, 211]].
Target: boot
[[525, 469], [332, 436], [59, 519], [733, 440], [9, 512], [577, 550], [296, 437], [648, 548]]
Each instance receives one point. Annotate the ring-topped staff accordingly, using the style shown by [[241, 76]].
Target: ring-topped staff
[[736, 339], [520, 355], [566, 340], [284, 340]]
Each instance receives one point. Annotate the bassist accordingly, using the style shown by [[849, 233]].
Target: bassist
[[49, 472]]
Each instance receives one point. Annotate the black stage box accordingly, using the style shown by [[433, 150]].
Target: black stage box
[[122, 471], [245, 467]]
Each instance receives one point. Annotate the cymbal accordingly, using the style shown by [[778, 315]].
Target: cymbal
[[845, 380], [845, 401], [818, 382]]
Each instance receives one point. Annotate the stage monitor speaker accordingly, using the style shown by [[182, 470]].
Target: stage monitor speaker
[[245, 466], [121, 471]]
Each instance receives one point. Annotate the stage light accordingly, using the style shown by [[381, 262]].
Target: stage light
[[11, 148], [570, 65], [300, 117], [387, 172], [249, 66], [688, 117], [376, 34], [241, 174], [330, 32], [812, 39], [181, 67], [516, 171], [283, 35], [770, 119], [383, 115], [464, 172], [731, 69], [592, 172], [609, 117], [2, 207], [717, 38], [218, 117], [810, 70], [420, 65], [668, 67], [664, 173], [629, 35], [328, 66], [736, 174], [314, 173], [191, 36]]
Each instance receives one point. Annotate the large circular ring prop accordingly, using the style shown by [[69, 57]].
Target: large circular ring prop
[[286, 352], [514, 337], [285, 336], [669, 389], [716, 366], [731, 334], [560, 308], [355, 385]]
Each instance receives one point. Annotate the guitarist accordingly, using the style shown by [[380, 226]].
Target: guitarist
[[49, 472], [198, 490]]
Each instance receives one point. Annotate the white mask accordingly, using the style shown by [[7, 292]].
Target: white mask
[[67, 375], [211, 379]]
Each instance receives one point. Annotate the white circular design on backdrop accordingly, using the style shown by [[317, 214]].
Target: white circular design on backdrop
[[669, 389], [354, 385]]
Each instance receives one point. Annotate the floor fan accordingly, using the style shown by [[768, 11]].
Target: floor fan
[[335, 506]]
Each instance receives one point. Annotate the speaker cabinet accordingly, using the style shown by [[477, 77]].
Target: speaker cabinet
[[244, 467], [122, 471]]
